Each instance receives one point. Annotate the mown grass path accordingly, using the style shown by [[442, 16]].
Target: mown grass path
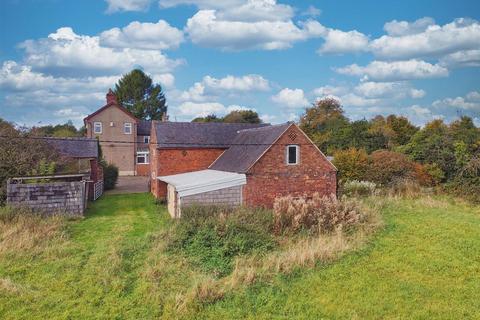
[[425, 264], [95, 273]]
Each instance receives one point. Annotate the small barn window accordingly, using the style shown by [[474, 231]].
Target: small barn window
[[146, 139], [293, 152], [97, 127], [127, 128]]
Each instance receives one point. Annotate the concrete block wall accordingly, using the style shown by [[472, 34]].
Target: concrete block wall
[[55, 197], [228, 196]]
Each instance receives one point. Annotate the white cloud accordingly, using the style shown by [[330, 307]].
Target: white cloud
[[338, 41], [466, 58], [396, 70], [202, 4], [251, 82], [155, 36], [473, 96], [65, 52], [417, 93], [471, 102], [330, 91], [354, 100], [269, 118], [166, 80], [291, 98], [312, 11], [127, 5], [392, 90], [257, 10], [459, 35], [206, 29], [199, 109], [210, 88], [402, 28]]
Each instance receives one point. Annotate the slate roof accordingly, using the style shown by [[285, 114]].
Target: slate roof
[[247, 147], [75, 147], [144, 127], [198, 134]]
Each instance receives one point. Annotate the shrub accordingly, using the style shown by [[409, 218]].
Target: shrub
[[317, 215], [212, 236], [388, 167], [352, 164], [359, 188], [110, 176], [467, 182]]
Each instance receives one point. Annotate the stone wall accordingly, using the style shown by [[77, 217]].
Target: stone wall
[[62, 197], [229, 196]]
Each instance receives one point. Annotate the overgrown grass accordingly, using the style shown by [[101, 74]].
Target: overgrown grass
[[212, 237], [115, 264]]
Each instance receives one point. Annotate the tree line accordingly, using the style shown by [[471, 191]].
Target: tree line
[[390, 149]]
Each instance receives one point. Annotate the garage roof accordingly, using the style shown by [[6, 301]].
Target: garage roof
[[203, 181]]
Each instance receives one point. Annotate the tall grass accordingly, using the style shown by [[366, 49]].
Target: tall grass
[[301, 250], [23, 229]]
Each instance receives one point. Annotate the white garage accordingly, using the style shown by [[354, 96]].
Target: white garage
[[212, 187]]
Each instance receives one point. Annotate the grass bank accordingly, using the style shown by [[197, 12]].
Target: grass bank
[[113, 264]]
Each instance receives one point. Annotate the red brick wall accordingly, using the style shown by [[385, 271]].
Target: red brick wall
[[172, 161], [271, 177], [142, 169]]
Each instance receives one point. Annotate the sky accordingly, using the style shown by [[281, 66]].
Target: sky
[[419, 59]]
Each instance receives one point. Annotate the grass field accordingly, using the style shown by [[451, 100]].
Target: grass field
[[424, 264]]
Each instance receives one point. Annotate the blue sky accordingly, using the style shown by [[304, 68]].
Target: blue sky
[[415, 58]]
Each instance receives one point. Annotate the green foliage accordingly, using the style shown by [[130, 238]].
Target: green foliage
[[137, 93], [19, 156], [324, 123], [235, 116], [352, 164], [209, 118], [110, 175], [242, 116], [467, 182], [390, 168], [60, 130], [213, 236], [433, 145]]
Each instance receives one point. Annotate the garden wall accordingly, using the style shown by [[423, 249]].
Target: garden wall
[[54, 197]]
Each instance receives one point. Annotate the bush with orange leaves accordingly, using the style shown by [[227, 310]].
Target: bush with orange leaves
[[319, 214]]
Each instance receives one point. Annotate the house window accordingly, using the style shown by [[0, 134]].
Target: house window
[[293, 152], [97, 127], [143, 157], [146, 139], [127, 128]]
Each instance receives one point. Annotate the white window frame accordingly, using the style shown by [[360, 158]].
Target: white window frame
[[146, 139], [100, 125], [297, 154], [127, 125], [146, 155]]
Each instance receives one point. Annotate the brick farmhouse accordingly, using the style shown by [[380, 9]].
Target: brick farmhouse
[[251, 164]]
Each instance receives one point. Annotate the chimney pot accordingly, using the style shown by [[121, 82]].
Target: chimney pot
[[111, 98]]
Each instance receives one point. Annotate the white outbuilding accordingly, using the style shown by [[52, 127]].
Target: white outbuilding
[[212, 187]]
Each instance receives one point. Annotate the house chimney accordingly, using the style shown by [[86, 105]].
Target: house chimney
[[111, 98]]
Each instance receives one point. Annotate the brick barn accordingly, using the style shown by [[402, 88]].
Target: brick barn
[[275, 161]]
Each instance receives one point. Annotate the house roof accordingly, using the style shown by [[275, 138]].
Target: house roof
[[74, 147], [198, 134], [144, 127], [247, 147], [108, 105], [203, 181]]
